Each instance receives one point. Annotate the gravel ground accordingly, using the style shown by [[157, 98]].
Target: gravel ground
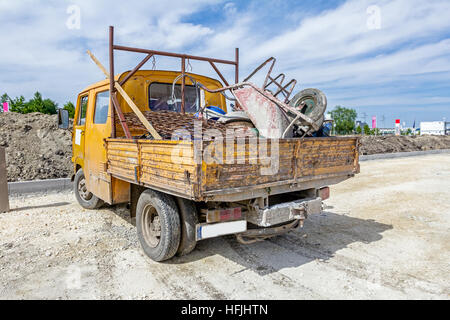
[[384, 235]]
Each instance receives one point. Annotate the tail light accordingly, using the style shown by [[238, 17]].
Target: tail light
[[220, 215], [324, 193]]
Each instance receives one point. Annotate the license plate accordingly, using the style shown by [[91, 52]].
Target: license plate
[[205, 231]]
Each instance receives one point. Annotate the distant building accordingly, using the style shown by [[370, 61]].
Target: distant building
[[438, 128], [385, 131]]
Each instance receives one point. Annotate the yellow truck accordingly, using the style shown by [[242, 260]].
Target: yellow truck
[[142, 137]]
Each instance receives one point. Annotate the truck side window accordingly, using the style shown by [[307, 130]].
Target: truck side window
[[101, 107], [83, 108], [160, 96]]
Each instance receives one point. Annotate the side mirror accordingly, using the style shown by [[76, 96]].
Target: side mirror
[[63, 119]]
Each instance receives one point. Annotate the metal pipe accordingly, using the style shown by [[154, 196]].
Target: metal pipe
[[259, 68], [287, 93], [122, 120], [183, 82], [170, 54], [220, 74], [111, 80], [273, 80], [132, 72], [236, 75]]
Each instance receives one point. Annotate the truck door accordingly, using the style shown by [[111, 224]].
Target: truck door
[[79, 129], [97, 129]]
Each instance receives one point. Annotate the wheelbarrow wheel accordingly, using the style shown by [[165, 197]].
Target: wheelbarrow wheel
[[312, 103]]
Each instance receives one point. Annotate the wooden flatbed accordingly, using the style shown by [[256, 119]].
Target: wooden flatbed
[[172, 167]]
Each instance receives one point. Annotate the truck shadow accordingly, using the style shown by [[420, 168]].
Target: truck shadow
[[50, 205], [322, 236]]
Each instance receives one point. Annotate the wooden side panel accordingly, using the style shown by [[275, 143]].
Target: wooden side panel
[[297, 159], [169, 165], [123, 158], [250, 166], [166, 165], [322, 157]]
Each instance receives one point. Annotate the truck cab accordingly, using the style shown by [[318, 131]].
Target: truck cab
[[151, 91]]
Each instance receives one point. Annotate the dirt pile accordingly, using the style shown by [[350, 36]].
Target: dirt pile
[[35, 147], [390, 144]]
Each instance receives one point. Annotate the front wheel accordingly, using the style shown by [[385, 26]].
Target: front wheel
[[158, 225], [85, 198]]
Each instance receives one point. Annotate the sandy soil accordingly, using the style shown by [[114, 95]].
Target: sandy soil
[[384, 235]]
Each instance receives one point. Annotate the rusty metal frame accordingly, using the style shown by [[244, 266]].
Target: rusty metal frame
[[151, 53], [283, 105], [281, 89], [111, 84], [132, 72]]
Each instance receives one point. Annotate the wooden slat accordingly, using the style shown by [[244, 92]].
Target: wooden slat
[[130, 102]]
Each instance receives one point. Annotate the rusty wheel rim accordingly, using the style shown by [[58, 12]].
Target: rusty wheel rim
[[151, 226]]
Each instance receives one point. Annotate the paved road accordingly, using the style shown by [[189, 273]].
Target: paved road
[[384, 234]]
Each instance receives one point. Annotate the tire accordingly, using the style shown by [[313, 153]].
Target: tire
[[158, 225], [85, 198], [316, 104], [189, 219]]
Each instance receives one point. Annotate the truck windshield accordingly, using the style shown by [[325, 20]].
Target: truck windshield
[[160, 97]]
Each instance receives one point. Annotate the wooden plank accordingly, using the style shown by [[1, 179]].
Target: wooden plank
[[153, 180], [167, 159], [4, 197], [121, 172], [138, 112], [165, 174], [130, 102], [126, 165], [98, 64], [168, 166], [133, 161]]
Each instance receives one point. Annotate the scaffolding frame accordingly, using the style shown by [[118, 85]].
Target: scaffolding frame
[[114, 87]]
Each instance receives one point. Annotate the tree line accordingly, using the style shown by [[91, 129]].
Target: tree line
[[36, 104], [345, 122]]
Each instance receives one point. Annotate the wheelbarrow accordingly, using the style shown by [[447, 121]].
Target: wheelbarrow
[[272, 117]]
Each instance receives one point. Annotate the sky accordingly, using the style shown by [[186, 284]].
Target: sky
[[384, 58]]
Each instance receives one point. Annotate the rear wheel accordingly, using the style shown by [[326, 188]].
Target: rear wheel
[[85, 198], [158, 225]]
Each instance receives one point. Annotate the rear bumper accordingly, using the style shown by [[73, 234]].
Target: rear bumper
[[289, 214], [285, 212]]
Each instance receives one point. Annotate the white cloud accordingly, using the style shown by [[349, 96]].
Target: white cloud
[[333, 49]]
